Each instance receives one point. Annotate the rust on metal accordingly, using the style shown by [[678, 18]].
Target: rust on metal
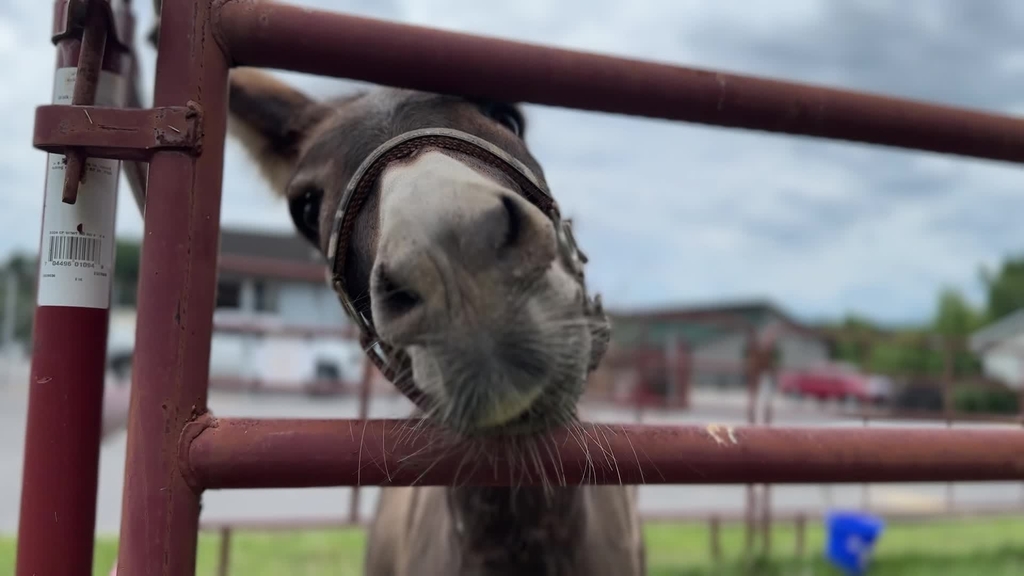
[[69, 20], [119, 133], [246, 453], [189, 433], [90, 60], [135, 172], [274, 35], [177, 280]]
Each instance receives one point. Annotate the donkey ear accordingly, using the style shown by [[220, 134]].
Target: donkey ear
[[271, 119]]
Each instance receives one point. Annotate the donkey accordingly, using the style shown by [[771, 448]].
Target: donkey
[[466, 284]]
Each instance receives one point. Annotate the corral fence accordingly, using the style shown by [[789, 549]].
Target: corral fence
[[173, 155], [650, 373]]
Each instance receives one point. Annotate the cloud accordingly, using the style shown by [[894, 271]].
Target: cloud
[[672, 213]]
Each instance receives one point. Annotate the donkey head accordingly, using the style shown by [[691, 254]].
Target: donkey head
[[449, 261]]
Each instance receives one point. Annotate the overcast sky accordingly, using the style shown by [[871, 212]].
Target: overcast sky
[[682, 214]]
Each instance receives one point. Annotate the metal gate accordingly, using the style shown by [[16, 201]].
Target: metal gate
[[177, 449]]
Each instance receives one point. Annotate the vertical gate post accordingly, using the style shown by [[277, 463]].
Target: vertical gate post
[[75, 271], [224, 560], [864, 347], [751, 372], [177, 279], [801, 529], [1020, 401], [715, 540], [948, 376], [771, 369]]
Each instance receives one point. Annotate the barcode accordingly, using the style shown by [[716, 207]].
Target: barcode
[[76, 248]]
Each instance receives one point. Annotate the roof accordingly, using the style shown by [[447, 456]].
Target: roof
[[1006, 327], [701, 323], [755, 311], [278, 255], [273, 245]]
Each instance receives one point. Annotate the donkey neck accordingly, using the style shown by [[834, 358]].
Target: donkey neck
[[502, 531]]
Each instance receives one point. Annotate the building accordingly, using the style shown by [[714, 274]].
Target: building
[[1000, 346], [277, 324], [715, 338]]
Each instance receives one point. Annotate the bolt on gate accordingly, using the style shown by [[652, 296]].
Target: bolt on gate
[[177, 449]]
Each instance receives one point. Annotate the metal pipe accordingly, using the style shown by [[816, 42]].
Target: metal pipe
[[248, 453], [62, 441], [714, 532], [772, 371], [752, 373], [948, 406], [90, 60], [897, 514], [801, 529], [224, 561], [865, 359], [135, 172], [177, 279], [1020, 405], [274, 35]]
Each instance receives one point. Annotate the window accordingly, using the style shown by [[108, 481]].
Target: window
[[265, 296], [229, 294], [327, 370]]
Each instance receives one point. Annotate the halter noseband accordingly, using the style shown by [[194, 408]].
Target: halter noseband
[[391, 361]]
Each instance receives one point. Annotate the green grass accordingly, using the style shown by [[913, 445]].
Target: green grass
[[990, 547]]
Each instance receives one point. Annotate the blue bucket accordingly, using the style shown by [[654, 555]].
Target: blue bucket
[[851, 538]]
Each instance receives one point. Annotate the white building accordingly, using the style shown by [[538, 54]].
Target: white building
[[1000, 346], [277, 324]]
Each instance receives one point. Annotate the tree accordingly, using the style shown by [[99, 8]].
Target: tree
[[954, 321], [954, 317], [23, 267], [126, 271], [1005, 288], [853, 339]]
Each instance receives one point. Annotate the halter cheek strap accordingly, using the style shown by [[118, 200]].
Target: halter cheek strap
[[394, 362]]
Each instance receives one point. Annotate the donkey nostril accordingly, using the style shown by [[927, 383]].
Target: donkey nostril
[[514, 221], [394, 297]]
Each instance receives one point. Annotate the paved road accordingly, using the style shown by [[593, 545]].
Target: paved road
[[333, 502]]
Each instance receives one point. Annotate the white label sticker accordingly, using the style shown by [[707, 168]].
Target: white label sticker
[[76, 260]]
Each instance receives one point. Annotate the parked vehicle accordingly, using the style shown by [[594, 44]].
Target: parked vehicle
[[919, 394], [836, 382]]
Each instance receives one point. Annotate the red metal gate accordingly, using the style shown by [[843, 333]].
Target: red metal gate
[[176, 449]]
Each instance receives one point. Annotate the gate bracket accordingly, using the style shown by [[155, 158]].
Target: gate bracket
[[190, 432], [118, 133]]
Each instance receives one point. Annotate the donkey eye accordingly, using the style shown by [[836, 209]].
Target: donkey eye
[[505, 115], [305, 211]]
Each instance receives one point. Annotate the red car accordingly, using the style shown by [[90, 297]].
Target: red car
[[835, 382]]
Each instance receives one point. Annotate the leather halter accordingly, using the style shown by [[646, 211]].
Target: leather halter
[[390, 361]]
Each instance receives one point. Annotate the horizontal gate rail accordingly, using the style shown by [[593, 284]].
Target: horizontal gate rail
[[246, 453], [273, 35]]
